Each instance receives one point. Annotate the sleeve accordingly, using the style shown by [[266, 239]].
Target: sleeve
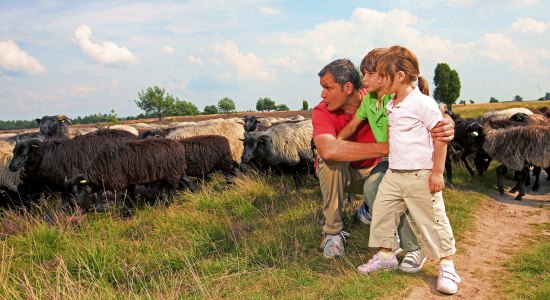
[[430, 113], [361, 113], [322, 123]]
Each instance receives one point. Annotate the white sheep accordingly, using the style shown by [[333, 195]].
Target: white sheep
[[233, 131]]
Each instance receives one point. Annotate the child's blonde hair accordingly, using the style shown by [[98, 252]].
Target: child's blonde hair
[[399, 58]]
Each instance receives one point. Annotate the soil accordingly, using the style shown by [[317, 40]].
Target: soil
[[502, 226]]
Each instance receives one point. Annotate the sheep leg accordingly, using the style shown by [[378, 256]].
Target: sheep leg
[[187, 182], [547, 173], [465, 161], [297, 178], [522, 175], [536, 173], [501, 171], [98, 204], [230, 175]]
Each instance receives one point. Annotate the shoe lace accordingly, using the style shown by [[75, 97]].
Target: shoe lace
[[343, 234], [413, 255]]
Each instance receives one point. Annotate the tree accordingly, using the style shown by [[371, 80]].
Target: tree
[[493, 100], [184, 108], [547, 96], [226, 105], [305, 106], [260, 104], [211, 110], [518, 98], [281, 107], [265, 104], [447, 84], [154, 101]]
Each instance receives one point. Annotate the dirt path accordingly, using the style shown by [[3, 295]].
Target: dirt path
[[502, 225]]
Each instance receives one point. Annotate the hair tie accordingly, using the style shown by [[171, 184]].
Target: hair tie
[[419, 75]]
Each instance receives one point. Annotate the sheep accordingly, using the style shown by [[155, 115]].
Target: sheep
[[8, 180], [234, 132], [468, 139], [521, 119], [286, 147], [128, 128], [123, 164], [46, 163], [504, 114], [515, 147], [251, 123], [54, 126], [534, 119], [204, 154]]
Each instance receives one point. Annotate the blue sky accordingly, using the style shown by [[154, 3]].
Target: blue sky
[[86, 57]]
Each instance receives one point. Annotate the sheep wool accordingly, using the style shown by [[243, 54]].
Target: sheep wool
[[8, 179], [234, 132], [515, 145], [291, 142]]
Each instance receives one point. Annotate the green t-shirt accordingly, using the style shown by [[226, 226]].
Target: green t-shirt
[[378, 119]]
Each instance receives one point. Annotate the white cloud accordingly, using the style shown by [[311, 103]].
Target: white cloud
[[268, 10], [530, 25], [12, 58], [107, 52], [196, 60], [82, 91], [168, 50], [248, 65]]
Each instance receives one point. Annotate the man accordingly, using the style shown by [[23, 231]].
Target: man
[[344, 166]]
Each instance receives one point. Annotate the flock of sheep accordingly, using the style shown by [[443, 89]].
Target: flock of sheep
[[518, 138], [85, 164]]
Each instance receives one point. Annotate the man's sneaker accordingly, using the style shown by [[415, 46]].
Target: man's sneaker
[[448, 280], [364, 215], [333, 244], [378, 263], [413, 262]]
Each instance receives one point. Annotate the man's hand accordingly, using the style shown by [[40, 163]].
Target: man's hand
[[444, 130]]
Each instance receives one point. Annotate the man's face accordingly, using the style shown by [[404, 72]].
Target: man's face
[[372, 82], [333, 93]]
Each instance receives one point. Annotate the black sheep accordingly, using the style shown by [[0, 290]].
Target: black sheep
[[45, 164], [122, 165], [54, 126], [206, 154], [250, 123]]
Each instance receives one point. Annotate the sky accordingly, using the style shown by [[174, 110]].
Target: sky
[[80, 58]]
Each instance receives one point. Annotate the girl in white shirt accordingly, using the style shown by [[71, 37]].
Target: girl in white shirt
[[414, 180]]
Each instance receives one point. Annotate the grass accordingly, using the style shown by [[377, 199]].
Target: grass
[[258, 239], [476, 110], [529, 270]]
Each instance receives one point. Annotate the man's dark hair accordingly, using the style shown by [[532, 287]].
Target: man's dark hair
[[343, 70]]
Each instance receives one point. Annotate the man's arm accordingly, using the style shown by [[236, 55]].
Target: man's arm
[[332, 149], [444, 131]]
